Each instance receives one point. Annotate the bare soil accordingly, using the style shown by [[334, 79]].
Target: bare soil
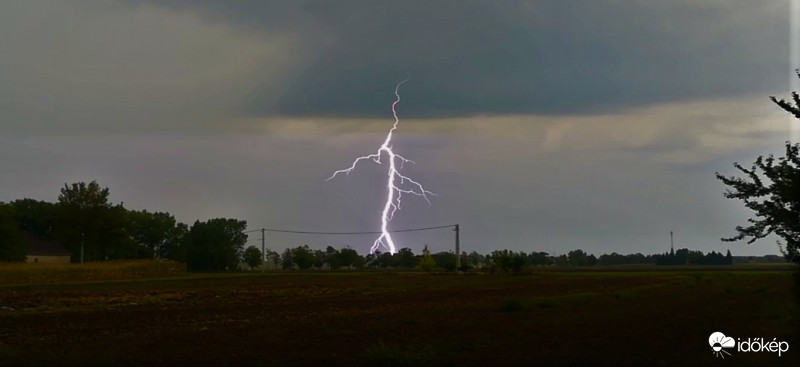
[[394, 319]]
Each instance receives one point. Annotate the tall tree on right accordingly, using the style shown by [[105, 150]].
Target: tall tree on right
[[771, 189]]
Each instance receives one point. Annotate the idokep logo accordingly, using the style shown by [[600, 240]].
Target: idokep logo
[[719, 342]]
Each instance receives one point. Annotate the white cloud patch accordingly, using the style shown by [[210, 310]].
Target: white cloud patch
[[691, 132]]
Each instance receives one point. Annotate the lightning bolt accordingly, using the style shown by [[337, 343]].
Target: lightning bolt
[[397, 184]]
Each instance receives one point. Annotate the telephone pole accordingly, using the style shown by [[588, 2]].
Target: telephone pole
[[458, 250], [263, 252]]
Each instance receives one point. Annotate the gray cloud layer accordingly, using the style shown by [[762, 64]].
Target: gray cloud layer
[[543, 57], [206, 65]]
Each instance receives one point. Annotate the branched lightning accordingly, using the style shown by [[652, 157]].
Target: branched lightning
[[397, 183]]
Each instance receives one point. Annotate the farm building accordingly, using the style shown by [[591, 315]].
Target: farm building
[[39, 250]]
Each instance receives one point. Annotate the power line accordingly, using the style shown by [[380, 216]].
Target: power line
[[350, 233]]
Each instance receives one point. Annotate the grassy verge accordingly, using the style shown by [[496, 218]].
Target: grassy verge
[[27, 273]]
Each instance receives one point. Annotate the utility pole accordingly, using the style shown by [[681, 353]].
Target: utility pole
[[263, 252], [458, 250]]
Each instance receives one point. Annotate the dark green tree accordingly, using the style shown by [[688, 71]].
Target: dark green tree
[[215, 245], [426, 263], [476, 259], [332, 258], [508, 261], [713, 258], [406, 259], [466, 264], [12, 247], [287, 262], [273, 257], [695, 257], [303, 257], [35, 217], [636, 258], [252, 257], [578, 258], [174, 247], [85, 218], [350, 258], [445, 260], [385, 260], [158, 232], [320, 258], [537, 258], [84, 196], [771, 190], [682, 256]]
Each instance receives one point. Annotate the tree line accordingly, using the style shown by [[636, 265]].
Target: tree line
[[91, 228], [503, 261]]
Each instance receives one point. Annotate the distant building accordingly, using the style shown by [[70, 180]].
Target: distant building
[[39, 250]]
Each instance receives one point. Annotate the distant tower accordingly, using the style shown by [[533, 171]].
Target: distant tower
[[671, 245]]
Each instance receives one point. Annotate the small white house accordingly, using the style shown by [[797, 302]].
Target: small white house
[[39, 250]]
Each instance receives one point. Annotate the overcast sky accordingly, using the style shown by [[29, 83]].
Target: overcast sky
[[540, 125]]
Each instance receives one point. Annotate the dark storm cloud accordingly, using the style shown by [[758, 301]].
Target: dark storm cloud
[[218, 109], [544, 57]]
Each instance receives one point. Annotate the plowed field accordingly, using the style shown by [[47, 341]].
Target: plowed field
[[400, 319]]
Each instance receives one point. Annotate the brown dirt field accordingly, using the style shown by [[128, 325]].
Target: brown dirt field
[[383, 319]]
